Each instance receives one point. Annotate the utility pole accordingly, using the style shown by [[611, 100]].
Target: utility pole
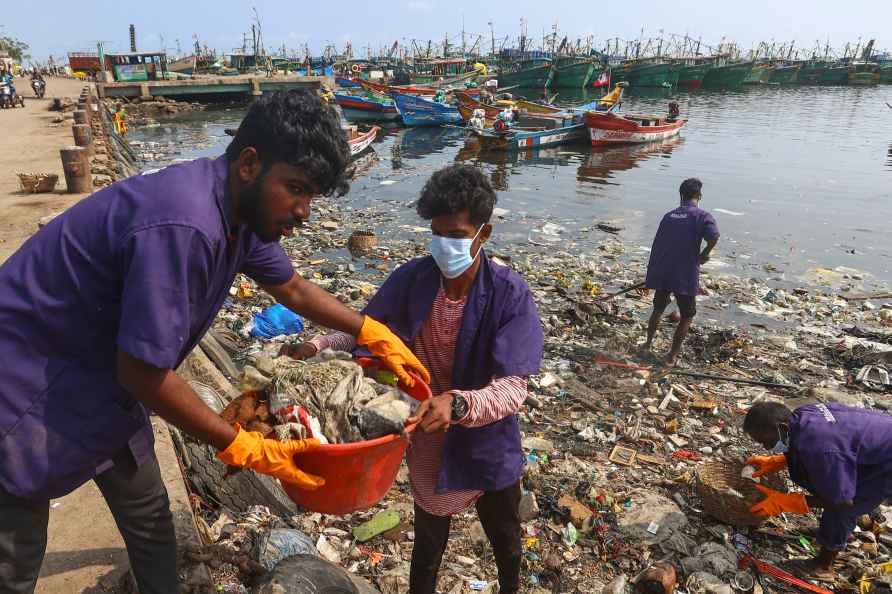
[[492, 35]]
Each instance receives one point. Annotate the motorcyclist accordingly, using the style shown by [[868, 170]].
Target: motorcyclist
[[6, 78], [37, 82]]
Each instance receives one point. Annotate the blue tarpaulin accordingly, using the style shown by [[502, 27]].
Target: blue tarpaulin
[[276, 321]]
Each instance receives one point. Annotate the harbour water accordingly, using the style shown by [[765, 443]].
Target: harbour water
[[798, 178]]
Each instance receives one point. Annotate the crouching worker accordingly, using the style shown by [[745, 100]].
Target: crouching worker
[[474, 325], [841, 455]]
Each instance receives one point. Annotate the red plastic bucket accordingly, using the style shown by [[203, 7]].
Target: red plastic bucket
[[357, 475]]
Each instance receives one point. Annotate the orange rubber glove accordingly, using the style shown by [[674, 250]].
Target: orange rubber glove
[[776, 503], [387, 346], [767, 464], [267, 456]]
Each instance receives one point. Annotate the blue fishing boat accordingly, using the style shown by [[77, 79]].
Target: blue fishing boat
[[362, 109], [535, 131], [347, 83], [418, 111]]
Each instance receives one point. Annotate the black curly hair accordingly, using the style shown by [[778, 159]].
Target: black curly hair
[[690, 189], [299, 128], [457, 188]]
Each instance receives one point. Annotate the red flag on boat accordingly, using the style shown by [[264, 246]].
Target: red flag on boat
[[603, 80]]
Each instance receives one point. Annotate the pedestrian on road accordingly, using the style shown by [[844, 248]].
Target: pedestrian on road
[[102, 304], [674, 266], [841, 455], [474, 324]]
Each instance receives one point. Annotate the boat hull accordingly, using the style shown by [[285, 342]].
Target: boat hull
[[836, 75], [516, 141], [360, 109], [759, 75], [531, 78], [363, 141], [573, 76], [418, 111], [784, 75], [863, 79], [729, 76], [609, 129], [648, 75], [691, 77]]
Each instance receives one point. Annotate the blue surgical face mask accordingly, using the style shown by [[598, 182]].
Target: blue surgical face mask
[[453, 256]]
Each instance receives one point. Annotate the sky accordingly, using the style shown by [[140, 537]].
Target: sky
[[77, 26]]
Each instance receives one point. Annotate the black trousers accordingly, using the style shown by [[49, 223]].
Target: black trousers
[[500, 515], [138, 501]]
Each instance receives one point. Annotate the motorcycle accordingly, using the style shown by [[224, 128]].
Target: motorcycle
[[8, 97], [39, 87]]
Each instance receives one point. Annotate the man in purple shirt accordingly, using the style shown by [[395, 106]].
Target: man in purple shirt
[[674, 266], [100, 306], [841, 455]]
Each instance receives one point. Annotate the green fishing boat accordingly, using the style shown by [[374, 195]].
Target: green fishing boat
[[531, 74], [784, 74], [647, 74], [760, 74], [811, 73], [727, 76], [835, 74], [573, 73], [886, 74], [864, 74], [690, 76]]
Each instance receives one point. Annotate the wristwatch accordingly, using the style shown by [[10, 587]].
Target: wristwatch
[[460, 407]]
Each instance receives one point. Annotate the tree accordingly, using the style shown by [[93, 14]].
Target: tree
[[17, 49]]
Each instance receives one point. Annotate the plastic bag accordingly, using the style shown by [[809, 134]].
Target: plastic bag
[[282, 543], [276, 321]]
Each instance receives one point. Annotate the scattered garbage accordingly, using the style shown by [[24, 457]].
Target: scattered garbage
[[618, 449]]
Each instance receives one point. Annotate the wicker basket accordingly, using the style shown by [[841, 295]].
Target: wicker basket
[[361, 243], [719, 484], [36, 183]]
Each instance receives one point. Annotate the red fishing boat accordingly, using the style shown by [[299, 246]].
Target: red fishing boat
[[607, 127]]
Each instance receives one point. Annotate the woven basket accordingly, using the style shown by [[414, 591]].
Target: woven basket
[[361, 243], [714, 483], [36, 183]]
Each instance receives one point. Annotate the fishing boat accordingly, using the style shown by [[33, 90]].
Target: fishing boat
[[835, 74], [420, 111], [534, 74], [360, 141], [423, 91], [690, 76], [362, 109], [864, 74], [573, 73], [534, 131], [607, 128], [811, 73], [357, 140], [727, 76], [759, 74], [185, 65], [640, 73], [467, 105], [347, 83], [784, 74]]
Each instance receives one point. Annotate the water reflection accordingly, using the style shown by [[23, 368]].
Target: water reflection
[[889, 159], [501, 164], [422, 142], [602, 162]]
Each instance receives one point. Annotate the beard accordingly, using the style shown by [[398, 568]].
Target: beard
[[253, 211]]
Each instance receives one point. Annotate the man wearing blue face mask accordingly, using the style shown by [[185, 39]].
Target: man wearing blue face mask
[[474, 325], [841, 455]]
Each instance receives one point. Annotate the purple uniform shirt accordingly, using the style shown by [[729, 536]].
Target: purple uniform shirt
[[839, 453], [142, 266], [675, 256], [500, 336]]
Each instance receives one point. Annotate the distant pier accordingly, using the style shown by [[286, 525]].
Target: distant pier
[[247, 85]]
